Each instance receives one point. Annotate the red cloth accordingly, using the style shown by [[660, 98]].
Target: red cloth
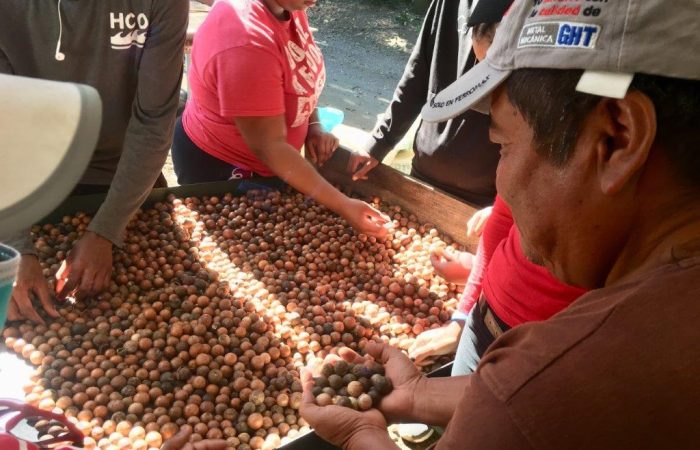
[[496, 230], [247, 63], [517, 290]]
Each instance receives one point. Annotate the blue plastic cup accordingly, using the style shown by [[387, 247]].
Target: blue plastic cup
[[9, 263], [330, 118]]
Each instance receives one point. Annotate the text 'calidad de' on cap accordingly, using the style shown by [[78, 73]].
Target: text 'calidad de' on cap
[[610, 39]]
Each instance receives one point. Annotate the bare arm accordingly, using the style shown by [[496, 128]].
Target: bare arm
[[266, 137]]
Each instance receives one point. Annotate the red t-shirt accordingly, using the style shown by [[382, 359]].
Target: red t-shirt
[[247, 63], [517, 290]]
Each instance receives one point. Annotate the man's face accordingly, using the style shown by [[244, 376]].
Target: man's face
[[556, 209]]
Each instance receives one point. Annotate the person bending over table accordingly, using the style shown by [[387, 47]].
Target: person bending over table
[[131, 52], [255, 79]]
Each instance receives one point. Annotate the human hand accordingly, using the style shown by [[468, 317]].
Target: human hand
[[88, 268], [30, 280], [365, 219], [406, 379], [359, 165], [476, 224], [338, 425], [181, 441], [320, 145], [453, 267], [435, 342]]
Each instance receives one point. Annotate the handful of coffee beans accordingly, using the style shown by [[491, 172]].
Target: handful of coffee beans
[[357, 386]]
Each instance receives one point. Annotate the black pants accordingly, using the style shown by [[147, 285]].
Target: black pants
[[194, 165]]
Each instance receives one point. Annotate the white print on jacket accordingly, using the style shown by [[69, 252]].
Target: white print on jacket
[[305, 64], [130, 30]]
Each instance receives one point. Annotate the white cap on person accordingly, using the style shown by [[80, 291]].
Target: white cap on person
[[611, 40]]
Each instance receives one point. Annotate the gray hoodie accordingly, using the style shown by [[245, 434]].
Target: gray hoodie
[[131, 51]]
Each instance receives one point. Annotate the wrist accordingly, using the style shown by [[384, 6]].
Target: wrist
[[459, 316], [314, 128], [95, 235], [369, 437], [418, 401], [456, 325]]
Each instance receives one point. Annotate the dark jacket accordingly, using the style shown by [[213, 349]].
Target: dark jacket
[[129, 50], [455, 156]]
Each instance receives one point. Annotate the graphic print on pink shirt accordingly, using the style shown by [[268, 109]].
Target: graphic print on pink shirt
[[307, 74]]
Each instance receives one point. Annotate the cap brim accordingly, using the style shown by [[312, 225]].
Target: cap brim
[[470, 91]]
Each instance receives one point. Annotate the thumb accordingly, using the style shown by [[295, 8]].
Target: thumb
[[381, 352], [210, 444], [311, 150], [44, 295], [178, 441], [308, 408], [376, 215]]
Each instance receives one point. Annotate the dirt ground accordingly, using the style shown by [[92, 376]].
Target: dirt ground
[[366, 45]]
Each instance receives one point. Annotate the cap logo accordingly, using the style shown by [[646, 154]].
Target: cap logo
[[559, 34], [461, 96]]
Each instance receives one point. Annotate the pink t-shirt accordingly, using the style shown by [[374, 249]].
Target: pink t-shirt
[[247, 63]]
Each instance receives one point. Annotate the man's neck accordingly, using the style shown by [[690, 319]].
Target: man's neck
[[665, 232]]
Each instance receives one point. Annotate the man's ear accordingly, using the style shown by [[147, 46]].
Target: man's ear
[[627, 132]]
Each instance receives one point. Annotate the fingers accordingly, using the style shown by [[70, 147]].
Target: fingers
[[425, 362], [311, 150], [436, 259], [382, 352], [87, 282], [101, 280], [64, 286], [476, 224], [42, 291], [178, 441], [107, 280], [361, 174], [23, 305], [423, 353], [449, 255], [377, 215], [210, 444], [354, 162], [12, 312], [420, 342], [328, 145], [350, 355], [308, 408]]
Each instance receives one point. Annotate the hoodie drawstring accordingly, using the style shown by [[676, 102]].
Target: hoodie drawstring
[[59, 55]]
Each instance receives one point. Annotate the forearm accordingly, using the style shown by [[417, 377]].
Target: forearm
[[291, 167], [410, 94], [435, 400], [150, 128], [143, 158], [370, 438], [472, 290]]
